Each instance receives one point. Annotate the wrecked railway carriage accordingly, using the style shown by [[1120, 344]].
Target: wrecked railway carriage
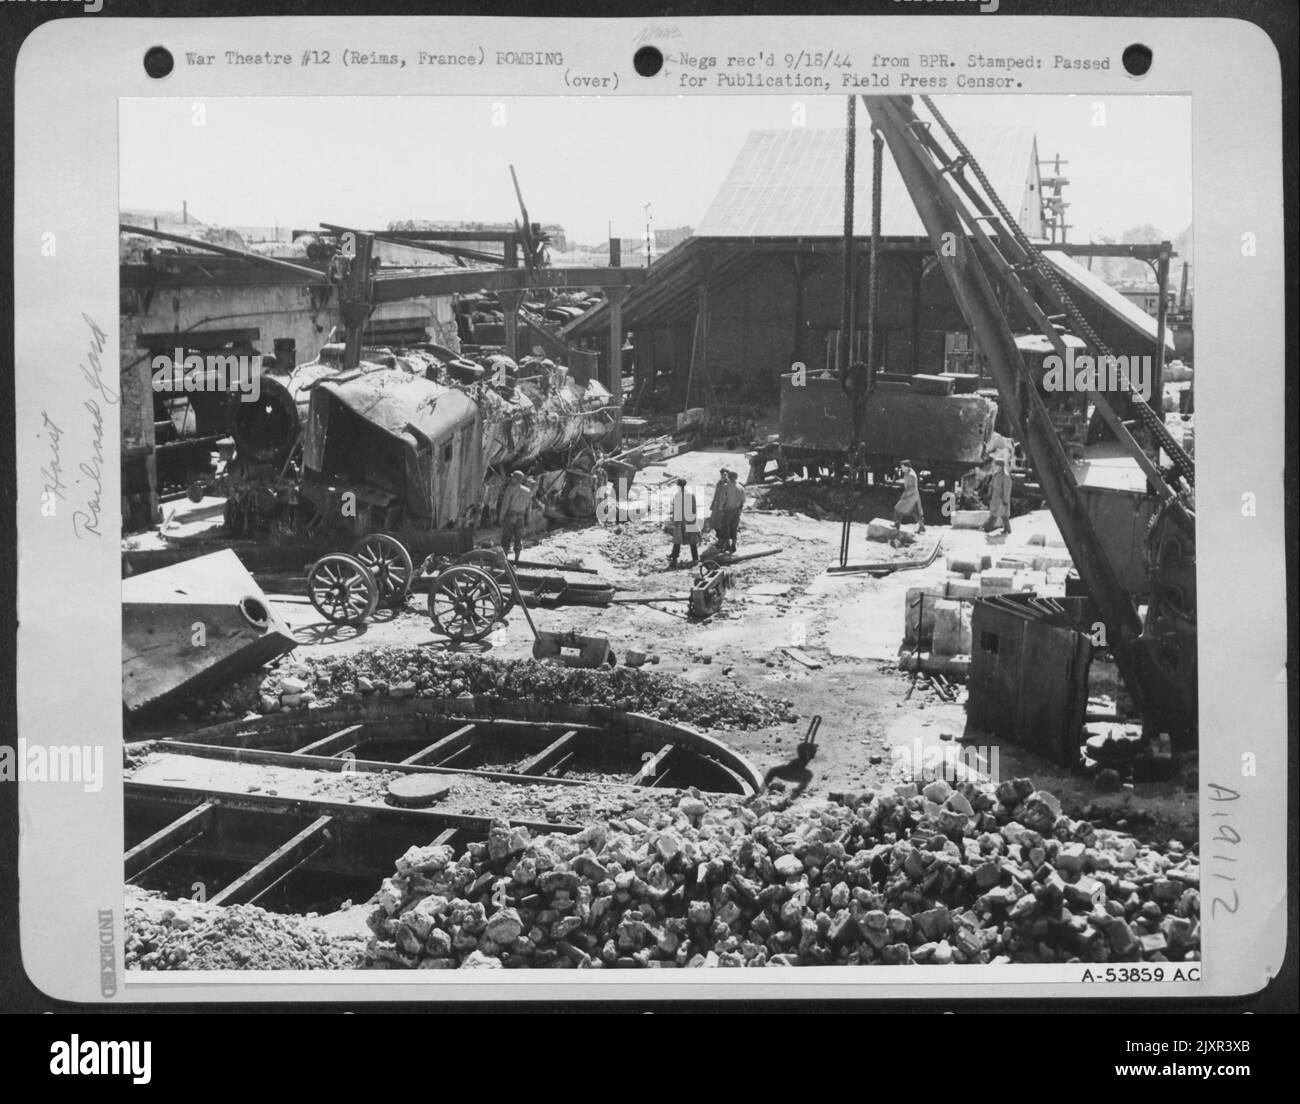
[[415, 439]]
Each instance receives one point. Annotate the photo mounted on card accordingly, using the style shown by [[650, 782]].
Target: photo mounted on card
[[520, 508]]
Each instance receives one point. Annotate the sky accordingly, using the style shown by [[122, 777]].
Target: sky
[[590, 164]]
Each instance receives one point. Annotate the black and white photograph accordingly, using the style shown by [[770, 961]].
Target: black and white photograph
[[608, 532]]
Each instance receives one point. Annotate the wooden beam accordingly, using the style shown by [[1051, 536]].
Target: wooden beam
[[548, 756], [388, 288], [420, 821], [234, 754], [345, 739], [445, 836], [556, 769], [653, 767], [169, 839], [281, 862], [225, 251], [459, 753], [441, 750], [502, 236], [1141, 252]]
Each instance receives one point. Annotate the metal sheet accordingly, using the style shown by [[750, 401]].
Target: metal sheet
[[188, 626]]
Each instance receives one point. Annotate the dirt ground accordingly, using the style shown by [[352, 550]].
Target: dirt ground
[[851, 625]]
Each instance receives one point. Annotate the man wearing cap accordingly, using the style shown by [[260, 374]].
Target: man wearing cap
[[686, 524], [999, 452], [728, 501], [516, 502], [908, 506], [718, 513]]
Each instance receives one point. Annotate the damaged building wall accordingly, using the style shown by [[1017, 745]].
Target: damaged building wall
[[182, 299]]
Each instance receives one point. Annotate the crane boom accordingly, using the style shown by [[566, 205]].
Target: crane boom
[[983, 254]]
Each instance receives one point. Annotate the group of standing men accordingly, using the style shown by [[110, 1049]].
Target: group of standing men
[[1000, 451], [687, 525]]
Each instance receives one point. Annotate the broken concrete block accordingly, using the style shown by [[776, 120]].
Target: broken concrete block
[[964, 588], [881, 529], [1153, 944], [789, 866], [969, 519], [918, 612], [952, 635], [933, 924], [1031, 580], [938, 791], [1084, 893], [1069, 858], [923, 384], [996, 582]]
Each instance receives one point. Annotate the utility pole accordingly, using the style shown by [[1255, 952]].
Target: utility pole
[[846, 286]]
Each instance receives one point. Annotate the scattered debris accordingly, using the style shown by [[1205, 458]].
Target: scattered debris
[[431, 674], [800, 656]]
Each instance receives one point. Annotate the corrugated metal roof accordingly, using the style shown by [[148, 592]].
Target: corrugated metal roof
[[790, 183], [1093, 287]]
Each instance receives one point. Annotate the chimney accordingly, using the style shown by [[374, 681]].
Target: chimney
[[185, 212]]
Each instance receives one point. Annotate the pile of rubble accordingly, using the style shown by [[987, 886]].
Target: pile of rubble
[[191, 935], [979, 874], [299, 683]]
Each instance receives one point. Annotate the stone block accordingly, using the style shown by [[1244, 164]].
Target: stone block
[[881, 529], [918, 613], [969, 519], [952, 635], [996, 581], [964, 588]]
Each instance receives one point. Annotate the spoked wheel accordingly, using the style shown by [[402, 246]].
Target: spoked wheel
[[387, 559], [492, 562], [342, 589], [465, 603]]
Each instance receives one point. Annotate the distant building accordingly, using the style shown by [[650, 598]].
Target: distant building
[[757, 287]]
